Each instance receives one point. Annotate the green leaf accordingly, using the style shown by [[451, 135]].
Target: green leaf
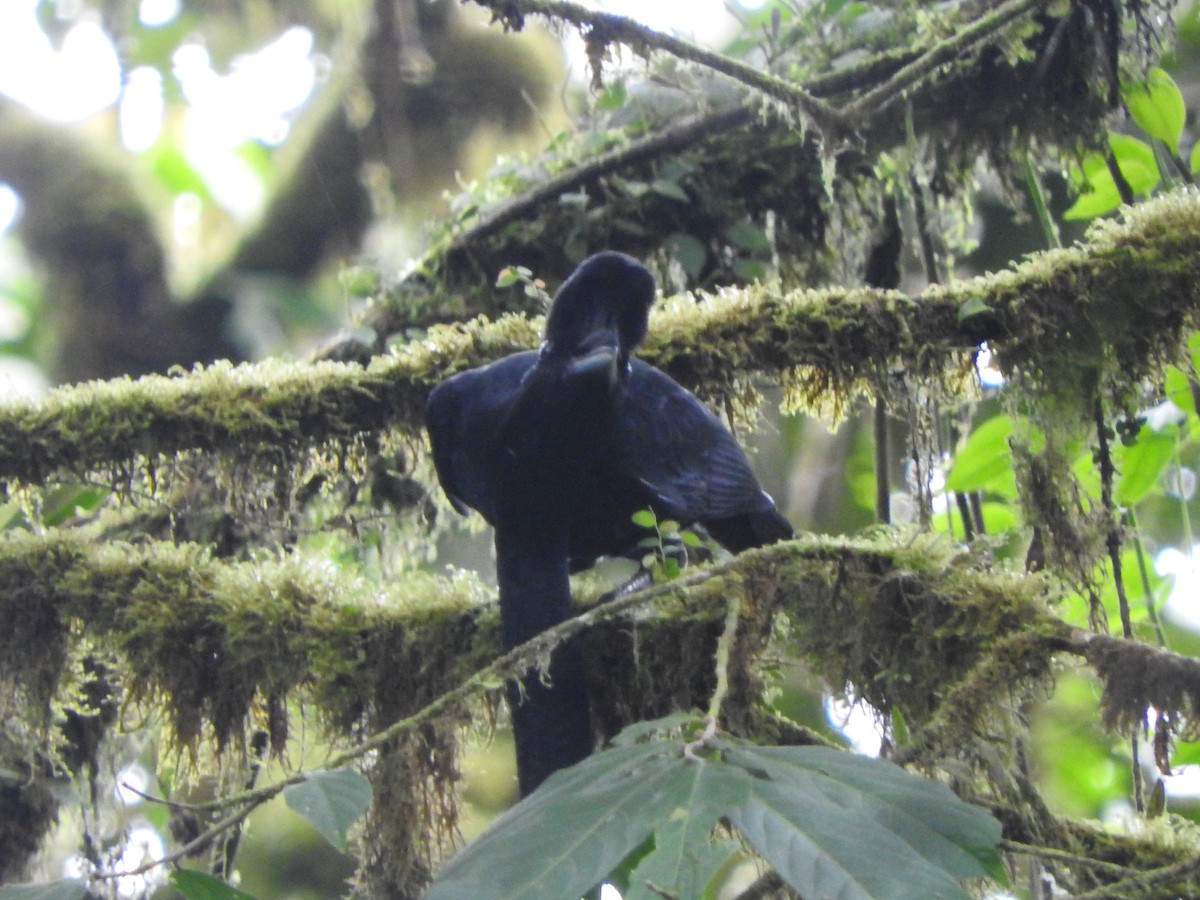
[[331, 802], [582, 821], [832, 823], [668, 526], [613, 95], [1142, 463], [640, 731], [645, 518], [1100, 195], [685, 862], [750, 270], [508, 277], [174, 171], [749, 238], [912, 838], [691, 539], [689, 251], [973, 306], [985, 460], [199, 886], [671, 568], [1157, 106], [67, 889], [1194, 159], [670, 190], [1136, 159]]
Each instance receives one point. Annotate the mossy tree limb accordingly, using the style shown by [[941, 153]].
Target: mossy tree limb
[[1123, 298], [936, 619]]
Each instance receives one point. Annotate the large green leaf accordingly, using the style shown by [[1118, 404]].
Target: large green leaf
[[838, 825], [1157, 106], [832, 823], [682, 864], [572, 831], [684, 859], [331, 802]]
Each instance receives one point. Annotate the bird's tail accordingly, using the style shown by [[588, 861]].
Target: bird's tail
[[551, 717]]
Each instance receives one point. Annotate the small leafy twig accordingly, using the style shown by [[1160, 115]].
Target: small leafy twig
[[659, 562]]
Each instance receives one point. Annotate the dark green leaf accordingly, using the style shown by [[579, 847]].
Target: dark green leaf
[[912, 838], [199, 886], [640, 731], [331, 802], [834, 824], [972, 307], [67, 889], [671, 568], [688, 251], [750, 269], [1157, 106], [571, 832], [749, 238], [670, 190], [684, 862]]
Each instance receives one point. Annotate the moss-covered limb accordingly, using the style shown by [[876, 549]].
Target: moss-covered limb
[[1157, 860], [210, 640], [911, 622], [267, 409], [1126, 295]]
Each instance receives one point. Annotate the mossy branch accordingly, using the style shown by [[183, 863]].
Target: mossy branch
[[1132, 288], [208, 637], [939, 633]]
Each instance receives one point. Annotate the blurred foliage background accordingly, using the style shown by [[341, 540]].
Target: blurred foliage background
[[184, 181]]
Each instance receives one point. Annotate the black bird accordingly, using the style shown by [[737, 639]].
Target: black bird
[[557, 448]]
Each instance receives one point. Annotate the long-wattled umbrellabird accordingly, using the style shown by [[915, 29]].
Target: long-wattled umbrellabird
[[557, 448]]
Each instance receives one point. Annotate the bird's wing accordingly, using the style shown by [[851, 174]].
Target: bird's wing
[[464, 415], [670, 442]]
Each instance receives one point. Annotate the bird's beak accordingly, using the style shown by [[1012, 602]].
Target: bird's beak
[[601, 360]]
